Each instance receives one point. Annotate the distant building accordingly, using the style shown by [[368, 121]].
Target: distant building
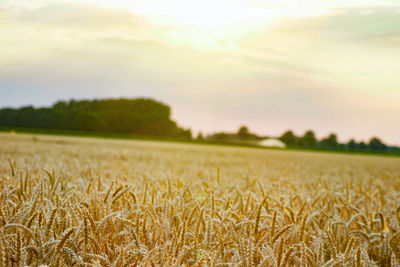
[[271, 142]]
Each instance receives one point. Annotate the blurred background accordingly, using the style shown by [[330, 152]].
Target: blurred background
[[267, 65]]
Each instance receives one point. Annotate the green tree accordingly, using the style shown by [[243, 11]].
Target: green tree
[[243, 132], [308, 139], [130, 116], [289, 138], [362, 146], [375, 144], [330, 142], [352, 145], [200, 137]]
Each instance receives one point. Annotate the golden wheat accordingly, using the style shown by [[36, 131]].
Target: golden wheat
[[94, 202]]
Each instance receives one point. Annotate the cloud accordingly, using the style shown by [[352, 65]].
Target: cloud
[[346, 49], [78, 15], [349, 25]]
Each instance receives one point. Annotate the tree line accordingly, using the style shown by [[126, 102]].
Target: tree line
[[129, 116], [143, 116], [242, 135], [309, 141]]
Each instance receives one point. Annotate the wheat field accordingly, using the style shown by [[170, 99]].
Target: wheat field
[[69, 201]]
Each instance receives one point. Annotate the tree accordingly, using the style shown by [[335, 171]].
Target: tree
[[200, 137], [243, 132], [185, 133], [128, 116], [375, 144], [221, 136], [308, 139], [352, 145], [289, 138], [60, 105], [330, 142], [362, 146]]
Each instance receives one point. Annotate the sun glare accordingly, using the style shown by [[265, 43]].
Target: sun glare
[[210, 24], [207, 13], [210, 14]]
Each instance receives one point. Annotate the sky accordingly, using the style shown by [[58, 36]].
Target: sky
[[273, 65]]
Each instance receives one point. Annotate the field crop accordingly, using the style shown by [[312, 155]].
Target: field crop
[[95, 202]]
